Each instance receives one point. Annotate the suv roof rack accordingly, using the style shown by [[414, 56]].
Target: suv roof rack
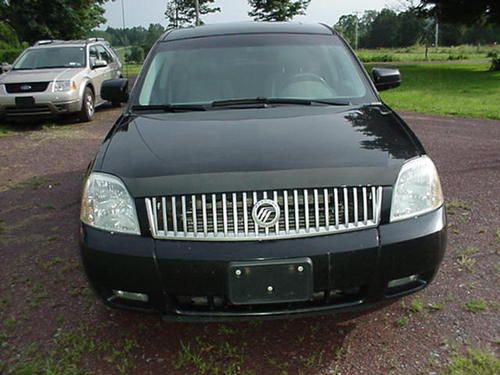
[[47, 41], [57, 41]]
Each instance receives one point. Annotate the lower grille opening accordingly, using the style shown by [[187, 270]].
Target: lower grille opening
[[321, 298]]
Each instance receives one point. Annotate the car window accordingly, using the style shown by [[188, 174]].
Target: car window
[[104, 54], [93, 55], [51, 57], [295, 66]]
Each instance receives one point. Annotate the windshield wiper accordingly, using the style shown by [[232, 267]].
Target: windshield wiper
[[270, 101], [169, 108]]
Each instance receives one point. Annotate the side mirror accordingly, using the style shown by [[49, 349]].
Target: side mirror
[[115, 90], [99, 64], [386, 79], [5, 67]]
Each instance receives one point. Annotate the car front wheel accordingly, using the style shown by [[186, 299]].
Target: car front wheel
[[88, 106]]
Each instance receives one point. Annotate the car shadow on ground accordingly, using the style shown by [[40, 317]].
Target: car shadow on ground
[[33, 124], [47, 300]]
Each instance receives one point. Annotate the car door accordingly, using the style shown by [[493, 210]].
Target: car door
[[114, 63], [97, 74]]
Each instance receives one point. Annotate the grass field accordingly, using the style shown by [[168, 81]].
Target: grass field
[[417, 53], [468, 90]]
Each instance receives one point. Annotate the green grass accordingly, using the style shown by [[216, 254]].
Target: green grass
[[417, 53], [6, 130], [476, 362], [476, 305], [465, 90], [131, 70]]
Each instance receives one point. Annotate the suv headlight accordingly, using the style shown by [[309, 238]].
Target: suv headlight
[[63, 86], [417, 190], [107, 204]]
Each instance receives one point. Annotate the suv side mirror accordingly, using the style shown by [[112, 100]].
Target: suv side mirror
[[386, 79], [99, 64], [115, 90], [5, 67]]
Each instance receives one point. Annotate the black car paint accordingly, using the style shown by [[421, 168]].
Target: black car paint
[[276, 147]]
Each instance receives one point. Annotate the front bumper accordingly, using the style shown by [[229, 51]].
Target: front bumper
[[46, 103], [189, 280]]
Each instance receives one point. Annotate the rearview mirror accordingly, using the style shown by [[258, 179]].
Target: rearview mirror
[[115, 90], [5, 67], [99, 64], [386, 79]]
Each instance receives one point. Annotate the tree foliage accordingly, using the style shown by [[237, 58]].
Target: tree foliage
[[464, 11], [131, 36], [55, 19], [386, 28], [277, 10], [181, 13]]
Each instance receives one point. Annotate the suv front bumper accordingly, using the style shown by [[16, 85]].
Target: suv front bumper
[[189, 280], [46, 103]]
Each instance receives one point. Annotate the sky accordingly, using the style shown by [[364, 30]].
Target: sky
[[144, 12]]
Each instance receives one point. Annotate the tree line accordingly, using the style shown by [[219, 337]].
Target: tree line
[[389, 28], [22, 22]]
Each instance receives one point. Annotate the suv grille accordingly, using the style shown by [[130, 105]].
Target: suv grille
[[15, 88], [228, 216]]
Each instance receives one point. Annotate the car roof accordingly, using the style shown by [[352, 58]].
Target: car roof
[[245, 28]]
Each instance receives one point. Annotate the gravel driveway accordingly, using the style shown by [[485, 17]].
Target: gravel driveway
[[49, 318]]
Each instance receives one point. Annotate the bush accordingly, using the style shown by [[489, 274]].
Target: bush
[[495, 62], [135, 55], [9, 55]]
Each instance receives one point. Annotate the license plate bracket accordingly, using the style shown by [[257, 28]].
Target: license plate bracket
[[25, 102], [274, 281]]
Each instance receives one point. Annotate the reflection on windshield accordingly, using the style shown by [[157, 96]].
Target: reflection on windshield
[[52, 57], [263, 66]]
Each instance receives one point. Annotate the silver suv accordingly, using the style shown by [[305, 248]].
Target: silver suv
[[58, 77]]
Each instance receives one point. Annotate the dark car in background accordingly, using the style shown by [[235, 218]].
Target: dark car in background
[[255, 172]]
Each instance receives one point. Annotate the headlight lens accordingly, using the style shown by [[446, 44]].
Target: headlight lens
[[63, 86], [106, 204], [417, 190]]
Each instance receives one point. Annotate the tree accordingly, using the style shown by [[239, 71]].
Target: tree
[[346, 26], [55, 19], [181, 13], [277, 10], [463, 11], [383, 30]]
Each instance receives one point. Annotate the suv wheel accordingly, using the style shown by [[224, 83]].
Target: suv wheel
[[88, 106]]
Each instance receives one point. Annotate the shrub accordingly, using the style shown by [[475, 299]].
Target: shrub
[[135, 55], [9, 55], [495, 62]]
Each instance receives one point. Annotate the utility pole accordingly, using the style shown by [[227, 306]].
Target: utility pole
[[197, 4], [123, 27], [356, 31], [436, 35]]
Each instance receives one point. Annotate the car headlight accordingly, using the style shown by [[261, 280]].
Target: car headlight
[[107, 204], [417, 190], [63, 86]]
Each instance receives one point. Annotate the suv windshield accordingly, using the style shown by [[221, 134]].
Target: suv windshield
[[271, 66], [51, 57]]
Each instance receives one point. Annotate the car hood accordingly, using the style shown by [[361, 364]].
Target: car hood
[[258, 149], [38, 75]]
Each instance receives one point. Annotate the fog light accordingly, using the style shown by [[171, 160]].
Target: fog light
[[139, 297], [402, 281]]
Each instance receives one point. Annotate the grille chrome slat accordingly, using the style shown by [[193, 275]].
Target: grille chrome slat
[[228, 216]]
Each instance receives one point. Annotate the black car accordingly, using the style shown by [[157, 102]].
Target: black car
[[255, 172]]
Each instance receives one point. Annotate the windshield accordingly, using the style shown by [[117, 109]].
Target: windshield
[[284, 66], [51, 57]]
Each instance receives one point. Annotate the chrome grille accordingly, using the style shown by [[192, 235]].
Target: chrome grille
[[228, 216]]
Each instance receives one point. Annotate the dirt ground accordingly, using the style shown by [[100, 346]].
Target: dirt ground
[[50, 320]]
